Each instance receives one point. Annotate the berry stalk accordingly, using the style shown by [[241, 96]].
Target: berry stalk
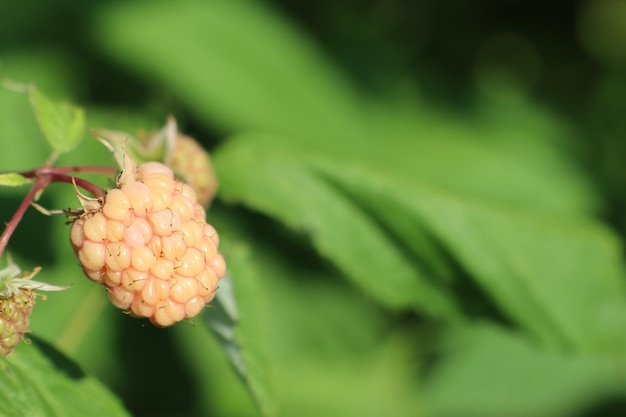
[[84, 184], [44, 176], [46, 170], [59, 174], [40, 184]]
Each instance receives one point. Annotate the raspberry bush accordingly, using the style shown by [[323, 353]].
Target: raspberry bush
[[146, 239]]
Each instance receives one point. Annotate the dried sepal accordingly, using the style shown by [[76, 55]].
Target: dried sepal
[[89, 204], [129, 170]]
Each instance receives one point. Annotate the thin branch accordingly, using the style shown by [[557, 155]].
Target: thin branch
[[47, 170], [40, 184], [84, 184], [44, 176]]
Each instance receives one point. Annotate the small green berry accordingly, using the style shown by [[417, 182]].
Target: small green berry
[[14, 313]]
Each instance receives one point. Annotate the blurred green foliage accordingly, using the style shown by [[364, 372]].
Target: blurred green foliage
[[421, 202]]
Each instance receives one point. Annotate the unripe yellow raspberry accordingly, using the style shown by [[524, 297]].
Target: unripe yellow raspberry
[[148, 243], [186, 156], [17, 298], [192, 161], [14, 313]]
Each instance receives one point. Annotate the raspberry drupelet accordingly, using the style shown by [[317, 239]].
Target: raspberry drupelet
[[148, 242]]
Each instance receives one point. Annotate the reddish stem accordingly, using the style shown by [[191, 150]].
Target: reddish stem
[[46, 170], [44, 176], [40, 184], [84, 184]]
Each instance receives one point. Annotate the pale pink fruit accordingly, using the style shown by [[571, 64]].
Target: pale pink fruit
[[148, 242]]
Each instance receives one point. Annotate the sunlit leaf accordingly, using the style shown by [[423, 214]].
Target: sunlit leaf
[[559, 277], [13, 179], [277, 183], [38, 380], [242, 332], [21, 152], [62, 124], [271, 80]]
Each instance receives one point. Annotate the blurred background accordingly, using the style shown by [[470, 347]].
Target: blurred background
[[420, 137], [567, 55]]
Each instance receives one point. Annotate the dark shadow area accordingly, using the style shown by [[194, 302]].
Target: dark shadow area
[[156, 382], [58, 359], [615, 407], [271, 234], [33, 236], [382, 42]]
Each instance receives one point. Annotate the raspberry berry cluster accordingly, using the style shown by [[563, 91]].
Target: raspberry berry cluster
[[17, 298], [148, 242], [14, 314]]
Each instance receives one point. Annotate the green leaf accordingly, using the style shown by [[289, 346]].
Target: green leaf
[[61, 123], [561, 280], [222, 319], [275, 79], [38, 380], [239, 320], [278, 184], [486, 371], [559, 277], [23, 151], [317, 325], [13, 179]]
